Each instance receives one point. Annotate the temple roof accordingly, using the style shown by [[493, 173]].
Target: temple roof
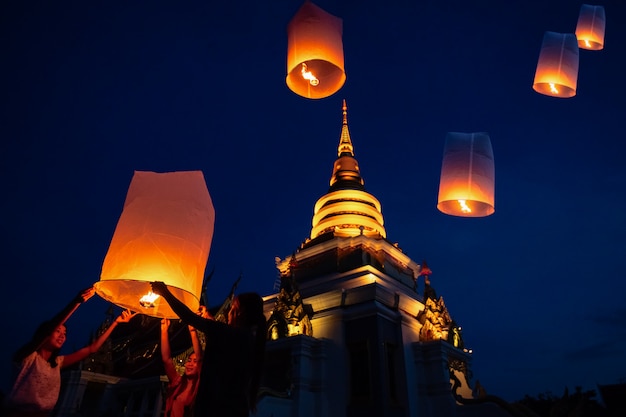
[[347, 209], [346, 173]]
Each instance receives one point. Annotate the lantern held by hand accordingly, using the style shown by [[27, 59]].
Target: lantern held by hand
[[164, 234]]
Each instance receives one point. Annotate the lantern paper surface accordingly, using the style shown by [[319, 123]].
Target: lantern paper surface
[[315, 67], [467, 182], [557, 68], [590, 27], [164, 234]]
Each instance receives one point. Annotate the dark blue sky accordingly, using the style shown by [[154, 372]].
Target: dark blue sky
[[93, 91]]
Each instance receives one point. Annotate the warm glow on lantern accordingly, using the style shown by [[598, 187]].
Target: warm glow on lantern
[[590, 27], [557, 67], [553, 89], [309, 76], [164, 234], [147, 300], [467, 182], [315, 67], [464, 207]]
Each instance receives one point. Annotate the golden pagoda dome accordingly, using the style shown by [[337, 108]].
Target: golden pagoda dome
[[347, 209]]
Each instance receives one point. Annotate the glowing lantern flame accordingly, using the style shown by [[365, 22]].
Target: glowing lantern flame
[[308, 75], [591, 27], [553, 89], [315, 64], [163, 234], [467, 183], [464, 207], [557, 67], [148, 300]]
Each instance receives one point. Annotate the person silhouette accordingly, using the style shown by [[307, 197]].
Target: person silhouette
[[38, 363], [182, 389], [233, 356]]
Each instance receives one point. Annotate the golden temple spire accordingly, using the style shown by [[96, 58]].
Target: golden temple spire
[[347, 209], [346, 171], [345, 144]]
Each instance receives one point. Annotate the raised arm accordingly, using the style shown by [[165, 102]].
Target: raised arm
[[62, 316], [185, 313], [49, 326], [81, 354], [195, 342], [166, 353]]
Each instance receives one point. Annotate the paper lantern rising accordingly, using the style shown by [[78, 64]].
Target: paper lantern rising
[[315, 66], [467, 182], [557, 68], [164, 234], [590, 27]]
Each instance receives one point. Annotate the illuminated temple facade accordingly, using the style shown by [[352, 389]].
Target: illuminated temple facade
[[348, 332]]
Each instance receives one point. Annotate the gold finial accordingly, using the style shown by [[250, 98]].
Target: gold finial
[[345, 144]]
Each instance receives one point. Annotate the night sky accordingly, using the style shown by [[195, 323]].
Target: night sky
[[93, 91]]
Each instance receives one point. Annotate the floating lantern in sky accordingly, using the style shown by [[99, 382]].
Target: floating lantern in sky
[[164, 234], [467, 184], [590, 27], [557, 68], [315, 67]]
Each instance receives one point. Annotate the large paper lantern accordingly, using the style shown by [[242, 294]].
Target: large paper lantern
[[590, 27], [164, 234], [557, 68], [315, 66], [467, 182]]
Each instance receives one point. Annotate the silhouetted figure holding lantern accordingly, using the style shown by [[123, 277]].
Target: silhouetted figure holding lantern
[[182, 389], [38, 382], [233, 357]]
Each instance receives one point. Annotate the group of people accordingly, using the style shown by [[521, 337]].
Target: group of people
[[220, 380]]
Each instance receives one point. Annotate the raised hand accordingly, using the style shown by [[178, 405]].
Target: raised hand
[[85, 294], [159, 287], [204, 313], [125, 316]]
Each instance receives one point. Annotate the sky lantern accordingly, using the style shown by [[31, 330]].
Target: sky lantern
[[315, 67], [590, 27], [557, 68], [164, 234], [467, 183]]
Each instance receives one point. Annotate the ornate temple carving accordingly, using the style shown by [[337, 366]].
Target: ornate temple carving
[[435, 320], [290, 315]]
